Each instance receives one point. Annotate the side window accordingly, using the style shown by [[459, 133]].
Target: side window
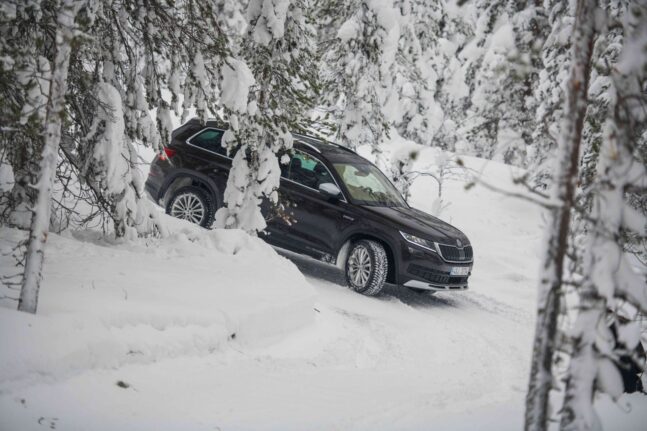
[[210, 140], [308, 171]]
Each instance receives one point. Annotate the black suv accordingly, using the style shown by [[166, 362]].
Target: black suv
[[340, 209]]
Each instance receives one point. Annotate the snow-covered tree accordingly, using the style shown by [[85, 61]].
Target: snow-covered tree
[[24, 85], [55, 104], [558, 229], [605, 53], [409, 104], [356, 67], [610, 285], [279, 49], [147, 56], [501, 122], [130, 57], [153, 54], [549, 92], [231, 19]]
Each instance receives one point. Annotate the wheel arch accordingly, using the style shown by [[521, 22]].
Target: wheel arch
[[183, 178], [342, 253]]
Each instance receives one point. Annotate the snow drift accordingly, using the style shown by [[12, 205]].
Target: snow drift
[[105, 304]]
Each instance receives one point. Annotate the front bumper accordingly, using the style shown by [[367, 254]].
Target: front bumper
[[423, 269], [435, 287]]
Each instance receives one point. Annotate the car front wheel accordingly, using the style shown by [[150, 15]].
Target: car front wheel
[[366, 267]]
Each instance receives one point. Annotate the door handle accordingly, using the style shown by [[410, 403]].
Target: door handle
[[347, 217]]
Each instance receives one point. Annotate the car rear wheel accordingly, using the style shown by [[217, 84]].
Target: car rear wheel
[[192, 204], [366, 267]]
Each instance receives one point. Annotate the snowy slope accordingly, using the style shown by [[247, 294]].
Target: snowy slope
[[401, 361], [105, 305]]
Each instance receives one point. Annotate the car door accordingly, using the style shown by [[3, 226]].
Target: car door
[[278, 217], [317, 221], [205, 154]]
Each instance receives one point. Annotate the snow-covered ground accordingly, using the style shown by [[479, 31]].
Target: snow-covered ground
[[140, 335]]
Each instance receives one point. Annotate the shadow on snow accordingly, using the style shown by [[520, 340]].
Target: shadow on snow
[[332, 274]]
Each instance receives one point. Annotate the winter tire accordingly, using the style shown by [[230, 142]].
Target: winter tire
[[193, 204], [366, 267]]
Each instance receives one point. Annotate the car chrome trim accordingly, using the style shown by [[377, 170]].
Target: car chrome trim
[[440, 287], [453, 261], [434, 250], [312, 147], [343, 199]]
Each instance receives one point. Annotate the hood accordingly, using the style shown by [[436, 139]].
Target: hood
[[419, 223]]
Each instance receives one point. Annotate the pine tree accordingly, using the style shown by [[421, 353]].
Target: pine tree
[[279, 48], [355, 69], [126, 54], [231, 19], [609, 283], [502, 121], [549, 92], [445, 55], [24, 85], [605, 53], [563, 193], [140, 49], [409, 105]]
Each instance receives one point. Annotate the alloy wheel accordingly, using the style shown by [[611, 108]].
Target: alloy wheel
[[188, 207], [359, 266]]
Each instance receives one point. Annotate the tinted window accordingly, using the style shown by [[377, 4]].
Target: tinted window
[[308, 171], [211, 140]]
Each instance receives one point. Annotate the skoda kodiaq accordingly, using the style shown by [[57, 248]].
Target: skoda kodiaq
[[338, 208]]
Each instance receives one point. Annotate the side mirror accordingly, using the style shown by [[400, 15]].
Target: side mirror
[[330, 190]]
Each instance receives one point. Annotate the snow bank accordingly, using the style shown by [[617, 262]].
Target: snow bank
[[107, 304]]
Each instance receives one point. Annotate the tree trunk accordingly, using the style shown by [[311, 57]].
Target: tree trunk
[[56, 103], [541, 374], [608, 280]]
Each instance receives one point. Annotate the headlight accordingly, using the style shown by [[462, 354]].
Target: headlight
[[429, 245]]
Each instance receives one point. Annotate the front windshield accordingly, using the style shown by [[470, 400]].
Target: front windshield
[[368, 186]]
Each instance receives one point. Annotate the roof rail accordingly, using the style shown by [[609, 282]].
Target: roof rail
[[309, 145], [350, 150], [323, 141]]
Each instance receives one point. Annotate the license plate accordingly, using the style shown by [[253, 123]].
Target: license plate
[[460, 270]]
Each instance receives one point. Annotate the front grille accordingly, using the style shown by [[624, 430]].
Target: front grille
[[456, 254], [434, 276]]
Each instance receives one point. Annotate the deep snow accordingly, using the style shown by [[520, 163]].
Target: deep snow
[[158, 315]]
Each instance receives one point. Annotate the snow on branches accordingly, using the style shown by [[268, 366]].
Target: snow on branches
[[279, 50], [356, 69]]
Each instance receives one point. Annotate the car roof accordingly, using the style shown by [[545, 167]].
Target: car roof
[[331, 151]]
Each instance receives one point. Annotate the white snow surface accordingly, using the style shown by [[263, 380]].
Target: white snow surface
[[158, 315]]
